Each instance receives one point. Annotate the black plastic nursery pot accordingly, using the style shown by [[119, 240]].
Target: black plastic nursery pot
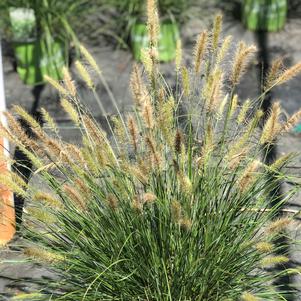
[[268, 15], [169, 34]]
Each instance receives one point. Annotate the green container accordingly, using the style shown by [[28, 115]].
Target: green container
[[269, 15], [169, 34], [35, 57]]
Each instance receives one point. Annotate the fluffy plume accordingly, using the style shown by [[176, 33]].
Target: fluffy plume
[[133, 130], [74, 196], [248, 297], [147, 61], [217, 28], [176, 211], [179, 54], [72, 112], [69, 84], [56, 85], [288, 74], [241, 60], [149, 197], [292, 122], [243, 112], [153, 22], [278, 225], [264, 247], [82, 71], [153, 150], [89, 58], [186, 81], [147, 113], [199, 51], [43, 255], [274, 73], [273, 260], [137, 86], [49, 120], [47, 199], [247, 177], [223, 50], [272, 126]]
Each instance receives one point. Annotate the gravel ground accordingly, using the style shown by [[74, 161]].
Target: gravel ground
[[116, 66]]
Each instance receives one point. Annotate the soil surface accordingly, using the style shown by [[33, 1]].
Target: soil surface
[[116, 66]]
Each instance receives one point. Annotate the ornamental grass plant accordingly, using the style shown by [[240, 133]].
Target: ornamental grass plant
[[162, 206]]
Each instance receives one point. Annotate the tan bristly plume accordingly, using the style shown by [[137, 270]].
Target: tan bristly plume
[[56, 85], [280, 161], [273, 260], [75, 196], [185, 183], [215, 92], [178, 141], [186, 81], [153, 22], [41, 214], [223, 50], [137, 86], [47, 198], [165, 120], [97, 135], [234, 158], [264, 247], [234, 104], [54, 148], [176, 211], [246, 296], [147, 113], [147, 61], [28, 118], [241, 60], [179, 55], [292, 122], [89, 58], [288, 74], [17, 129], [69, 83], [278, 225], [72, 112], [133, 130], [74, 152], [249, 175], [243, 112], [272, 126], [274, 72], [199, 51], [42, 254], [7, 182], [49, 120], [83, 72], [112, 201], [243, 140], [119, 130], [153, 150], [149, 197], [217, 28]]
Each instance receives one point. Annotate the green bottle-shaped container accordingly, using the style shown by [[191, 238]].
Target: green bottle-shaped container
[[268, 15], [35, 57], [169, 34]]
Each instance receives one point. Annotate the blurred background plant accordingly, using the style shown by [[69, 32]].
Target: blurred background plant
[[40, 31], [131, 16]]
